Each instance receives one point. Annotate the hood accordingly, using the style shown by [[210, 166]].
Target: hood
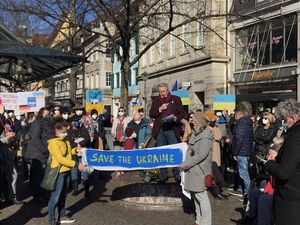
[[206, 133], [246, 120]]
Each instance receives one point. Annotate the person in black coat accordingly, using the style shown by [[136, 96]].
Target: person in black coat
[[99, 130], [264, 135], [78, 134], [286, 169], [37, 152]]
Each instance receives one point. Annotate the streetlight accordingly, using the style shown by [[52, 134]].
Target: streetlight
[[145, 77]]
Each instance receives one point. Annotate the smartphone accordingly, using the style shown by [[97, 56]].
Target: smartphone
[[260, 159]]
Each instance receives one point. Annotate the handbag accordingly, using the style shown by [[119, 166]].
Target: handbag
[[209, 180], [51, 174]]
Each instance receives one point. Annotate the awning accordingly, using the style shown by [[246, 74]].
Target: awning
[[35, 63]]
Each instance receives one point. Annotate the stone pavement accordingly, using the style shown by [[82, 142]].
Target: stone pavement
[[101, 209]]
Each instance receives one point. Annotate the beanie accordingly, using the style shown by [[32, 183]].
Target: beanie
[[64, 110], [129, 132]]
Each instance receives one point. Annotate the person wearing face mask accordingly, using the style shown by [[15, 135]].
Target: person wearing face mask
[[118, 129], [61, 154], [285, 167], [99, 141], [57, 111], [142, 129], [264, 135], [37, 152], [78, 134], [85, 120], [65, 113]]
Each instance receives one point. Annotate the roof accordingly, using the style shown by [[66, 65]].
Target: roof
[[44, 62]]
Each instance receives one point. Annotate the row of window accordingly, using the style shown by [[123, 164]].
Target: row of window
[[186, 39], [271, 42], [115, 78]]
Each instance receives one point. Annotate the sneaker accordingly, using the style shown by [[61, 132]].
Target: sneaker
[[236, 193], [66, 219], [52, 223]]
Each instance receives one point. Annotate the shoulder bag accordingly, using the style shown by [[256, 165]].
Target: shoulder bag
[[51, 174], [209, 180]]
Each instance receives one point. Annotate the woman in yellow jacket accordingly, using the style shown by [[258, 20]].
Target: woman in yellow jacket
[[61, 152]]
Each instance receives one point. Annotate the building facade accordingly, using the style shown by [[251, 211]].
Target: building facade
[[265, 65], [195, 54]]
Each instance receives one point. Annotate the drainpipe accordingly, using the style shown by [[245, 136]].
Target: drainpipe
[[226, 39]]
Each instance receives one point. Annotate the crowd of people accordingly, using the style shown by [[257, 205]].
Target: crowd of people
[[251, 156]]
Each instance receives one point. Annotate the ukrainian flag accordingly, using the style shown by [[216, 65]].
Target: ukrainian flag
[[224, 102]]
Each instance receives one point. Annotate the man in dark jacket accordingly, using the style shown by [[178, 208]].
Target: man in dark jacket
[[242, 143], [167, 110], [286, 169]]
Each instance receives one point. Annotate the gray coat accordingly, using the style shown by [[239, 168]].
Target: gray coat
[[199, 153]]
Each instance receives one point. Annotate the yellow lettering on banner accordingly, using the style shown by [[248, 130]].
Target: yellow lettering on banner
[[139, 160], [155, 158], [120, 158], [129, 159], [165, 157], [144, 159], [106, 158], [150, 158], [111, 159], [171, 158], [94, 158], [100, 158]]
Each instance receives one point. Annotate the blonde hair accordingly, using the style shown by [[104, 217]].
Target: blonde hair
[[270, 117]]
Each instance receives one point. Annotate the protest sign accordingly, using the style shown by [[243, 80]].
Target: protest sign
[[31, 101], [137, 106], [94, 100], [9, 100], [165, 156]]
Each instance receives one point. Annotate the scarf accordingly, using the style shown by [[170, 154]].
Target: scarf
[[166, 112]]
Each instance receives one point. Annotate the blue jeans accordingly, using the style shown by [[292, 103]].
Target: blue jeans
[[243, 163], [75, 171], [163, 138], [37, 171], [58, 197]]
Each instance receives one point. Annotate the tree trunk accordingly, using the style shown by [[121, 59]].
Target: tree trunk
[[73, 86], [125, 67]]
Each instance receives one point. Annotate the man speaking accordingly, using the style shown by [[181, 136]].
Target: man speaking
[[167, 110]]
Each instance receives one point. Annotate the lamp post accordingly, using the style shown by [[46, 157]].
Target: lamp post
[[145, 77]]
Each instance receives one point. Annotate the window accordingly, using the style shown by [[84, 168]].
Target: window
[[107, 51], [107, 79], [92, 81], [152, 55], [200, 33], [68, 85], [264, 43], [162, 49], [145, 58], [172, 44], [185, 31], [87, 80]]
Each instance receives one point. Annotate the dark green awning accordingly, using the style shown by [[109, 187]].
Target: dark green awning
[[44, 62]]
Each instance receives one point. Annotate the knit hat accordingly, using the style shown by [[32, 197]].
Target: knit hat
[[78, 106], [64, 110], [129, 132], [200, 119], [210, 115]]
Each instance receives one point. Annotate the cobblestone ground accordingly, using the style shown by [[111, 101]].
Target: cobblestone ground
[[100, 209]]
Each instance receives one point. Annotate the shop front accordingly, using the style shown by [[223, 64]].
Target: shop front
[[262, 90]]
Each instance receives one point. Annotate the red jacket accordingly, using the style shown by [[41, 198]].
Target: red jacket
[[129, 144]]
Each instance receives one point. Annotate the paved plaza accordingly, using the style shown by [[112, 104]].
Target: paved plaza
[[101, 209]]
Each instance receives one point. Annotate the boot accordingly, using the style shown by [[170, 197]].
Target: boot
[[86, 189], [75, 187]]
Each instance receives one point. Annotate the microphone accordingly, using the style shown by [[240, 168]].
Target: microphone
[[164, 99]]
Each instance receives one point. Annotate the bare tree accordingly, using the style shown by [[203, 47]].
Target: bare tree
[[149, 20]]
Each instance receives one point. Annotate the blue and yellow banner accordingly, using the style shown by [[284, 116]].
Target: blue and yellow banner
[[224, 102], [94, 100], [165, 156]]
